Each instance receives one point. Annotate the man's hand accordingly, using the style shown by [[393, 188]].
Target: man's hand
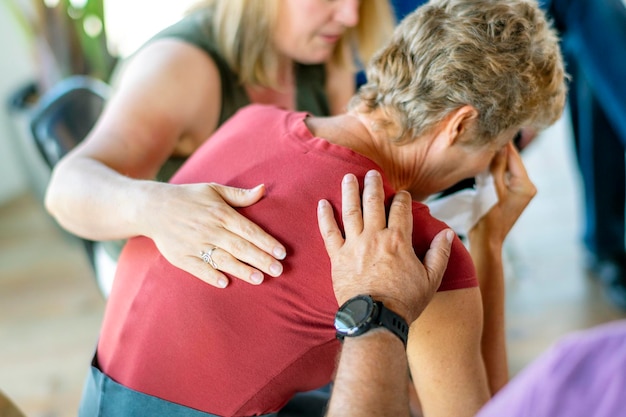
[[376, 257]]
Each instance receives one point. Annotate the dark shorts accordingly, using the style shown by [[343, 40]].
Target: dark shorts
[[103, 397]]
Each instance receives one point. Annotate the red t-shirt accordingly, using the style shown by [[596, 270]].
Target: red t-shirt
[[247, 349]]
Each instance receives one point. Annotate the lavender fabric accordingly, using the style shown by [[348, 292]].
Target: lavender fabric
[[584, 375]]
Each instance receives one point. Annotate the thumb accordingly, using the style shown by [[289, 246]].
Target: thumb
[[436, 259], [240, 197]]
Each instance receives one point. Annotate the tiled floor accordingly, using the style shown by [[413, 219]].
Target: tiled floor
[[50, 308]]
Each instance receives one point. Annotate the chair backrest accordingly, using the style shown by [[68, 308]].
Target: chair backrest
[[62, 119], [65, 115]]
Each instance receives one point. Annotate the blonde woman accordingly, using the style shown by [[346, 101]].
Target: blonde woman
[[176, 91], [444, 100]]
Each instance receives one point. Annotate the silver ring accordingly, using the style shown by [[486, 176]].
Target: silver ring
[[206, 257]]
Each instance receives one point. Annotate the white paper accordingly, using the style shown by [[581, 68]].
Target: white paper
[[462, 210]]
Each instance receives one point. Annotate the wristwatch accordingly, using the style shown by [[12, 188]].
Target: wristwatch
[[362, 313]]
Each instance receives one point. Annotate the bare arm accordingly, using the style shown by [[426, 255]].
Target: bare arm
[[444, 355], [167, 100], [515, 191], [377, 258], [458, 343], [371, 377]]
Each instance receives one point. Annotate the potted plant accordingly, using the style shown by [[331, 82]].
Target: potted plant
[[68, 37]]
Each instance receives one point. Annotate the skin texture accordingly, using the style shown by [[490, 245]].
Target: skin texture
[[376, 257], [374, 367], [104, 191], [515, 191], [432, 162], [306, 33], [104, 188]]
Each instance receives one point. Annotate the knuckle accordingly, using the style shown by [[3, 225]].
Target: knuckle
[[328, 234], [238, 246], [248, 229], [373, 199], [220, 214], [352, 211], [401, 203]]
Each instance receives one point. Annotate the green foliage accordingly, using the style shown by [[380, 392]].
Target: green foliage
[[68, 37]]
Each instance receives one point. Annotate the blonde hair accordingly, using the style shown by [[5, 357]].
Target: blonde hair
[[501, 57], [243, 33]]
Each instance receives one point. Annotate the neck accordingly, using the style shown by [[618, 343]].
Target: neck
[[285, 71], [401, 164], [284, 95]]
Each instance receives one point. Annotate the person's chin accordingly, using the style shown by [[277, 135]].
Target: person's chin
[[316, 58]]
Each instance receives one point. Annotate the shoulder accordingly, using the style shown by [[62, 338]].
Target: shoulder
[[193, 34], [266, 112], [194, 29], [460, 272], [262, 119]]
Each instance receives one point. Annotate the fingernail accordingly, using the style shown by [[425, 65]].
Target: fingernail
[[222, 282], [276, 269], [449, 236], [279, 253], [348, 178], [322, 204], [372, 173], [256, 277]]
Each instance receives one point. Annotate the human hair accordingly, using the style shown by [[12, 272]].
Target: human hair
[[243, 33], [501, 57]]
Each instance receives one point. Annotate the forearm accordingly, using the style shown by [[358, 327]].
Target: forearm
[[489, 267], [371, 378], [95, 202]]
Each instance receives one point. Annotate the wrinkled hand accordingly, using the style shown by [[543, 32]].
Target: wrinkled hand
[[515, 191], [377, 257], [197, 217]]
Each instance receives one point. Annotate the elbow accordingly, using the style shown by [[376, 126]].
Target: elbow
[[53, 197]]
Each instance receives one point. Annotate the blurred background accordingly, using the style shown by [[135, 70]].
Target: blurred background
[[50, 305]]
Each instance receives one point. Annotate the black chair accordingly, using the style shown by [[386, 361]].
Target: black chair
[[63, 117], [65, 114]]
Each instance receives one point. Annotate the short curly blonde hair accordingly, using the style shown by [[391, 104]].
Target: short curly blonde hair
[[501, 57]]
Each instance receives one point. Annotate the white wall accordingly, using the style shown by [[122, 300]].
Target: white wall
[[16, 69]]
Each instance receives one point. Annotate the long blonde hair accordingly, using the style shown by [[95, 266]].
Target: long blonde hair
[[243, 33]]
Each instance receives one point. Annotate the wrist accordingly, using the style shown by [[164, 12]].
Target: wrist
[[149, 197], [485, 241], [398, 306], [378, 335], [362, 313]]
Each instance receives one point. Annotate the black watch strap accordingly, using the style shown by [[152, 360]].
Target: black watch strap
[[393, 322]]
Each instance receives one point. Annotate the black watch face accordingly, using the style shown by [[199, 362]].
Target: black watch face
[[352, 314]]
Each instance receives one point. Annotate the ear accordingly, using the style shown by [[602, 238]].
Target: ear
[[459, 122]]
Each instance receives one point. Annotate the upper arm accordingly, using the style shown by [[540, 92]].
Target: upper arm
[[445, 357], [169, 91]]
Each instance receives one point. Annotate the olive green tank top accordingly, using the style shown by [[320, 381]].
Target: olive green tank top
[[196, 30]]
